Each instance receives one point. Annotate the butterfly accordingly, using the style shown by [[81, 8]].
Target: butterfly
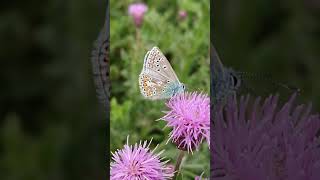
[[157, 79], [224, 81]]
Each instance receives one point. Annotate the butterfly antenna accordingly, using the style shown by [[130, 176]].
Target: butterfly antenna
[[267, 77], [196, 89]]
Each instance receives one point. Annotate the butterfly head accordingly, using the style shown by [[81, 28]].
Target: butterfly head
[[180, 89], [235, 80], [183, 86]]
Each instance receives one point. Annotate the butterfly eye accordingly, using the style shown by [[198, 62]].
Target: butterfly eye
[[235, 80]]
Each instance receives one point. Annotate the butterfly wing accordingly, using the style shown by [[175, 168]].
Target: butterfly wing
[[100, 65], [157, 79], [156, 63], [152, 87], [218, 69]]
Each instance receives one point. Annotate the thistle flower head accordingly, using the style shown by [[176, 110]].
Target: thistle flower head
[[137, 11], [189, 118], [263, 142], [138, 162]]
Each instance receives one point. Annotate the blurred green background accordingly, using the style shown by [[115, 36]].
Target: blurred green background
[[281, 38], [51, 125], [185, 43]]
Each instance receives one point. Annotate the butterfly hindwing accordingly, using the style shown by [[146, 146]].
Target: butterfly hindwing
[[153, 88]]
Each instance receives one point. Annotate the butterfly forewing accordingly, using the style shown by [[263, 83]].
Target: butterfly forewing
[[218, 69], [156, 62]]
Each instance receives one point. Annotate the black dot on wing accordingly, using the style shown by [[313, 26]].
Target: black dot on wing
[[158, 69]]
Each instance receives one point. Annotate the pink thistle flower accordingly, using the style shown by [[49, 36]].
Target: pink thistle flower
[[137, 11], [138, 162], [253, 140], [189, 116]]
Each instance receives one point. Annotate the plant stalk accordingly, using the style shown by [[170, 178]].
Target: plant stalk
[[178, 164]]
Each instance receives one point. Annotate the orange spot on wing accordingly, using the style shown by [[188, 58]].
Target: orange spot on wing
[[148, 90]]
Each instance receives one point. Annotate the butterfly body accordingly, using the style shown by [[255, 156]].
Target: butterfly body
[[157, 79], [173, 88]]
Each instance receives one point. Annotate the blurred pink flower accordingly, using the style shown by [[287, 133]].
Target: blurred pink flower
[[182, 14], [200, 178], [138, 162], [137, 11], [189, 116]]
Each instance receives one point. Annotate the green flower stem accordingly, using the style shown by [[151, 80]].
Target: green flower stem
[[178, 164], [137, 59], [138, 38]]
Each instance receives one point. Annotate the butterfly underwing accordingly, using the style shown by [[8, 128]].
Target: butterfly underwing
[[100, 65], [157, 79]]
